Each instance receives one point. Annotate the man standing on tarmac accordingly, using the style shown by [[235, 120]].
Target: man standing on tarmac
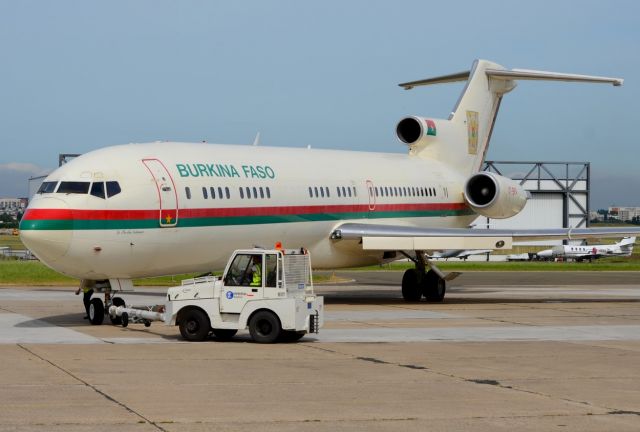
[[86, 286]]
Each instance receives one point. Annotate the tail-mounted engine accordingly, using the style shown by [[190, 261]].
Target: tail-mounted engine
[[494, 196], [412, 130]]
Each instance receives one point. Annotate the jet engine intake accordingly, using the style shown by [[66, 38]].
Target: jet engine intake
[[494, 196], [414, 130]]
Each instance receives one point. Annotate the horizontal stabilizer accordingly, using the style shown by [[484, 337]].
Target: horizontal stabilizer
[[514, 74], [524, 74], [460, 76]]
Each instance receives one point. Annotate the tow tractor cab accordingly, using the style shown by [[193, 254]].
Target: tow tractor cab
[[270, 292]]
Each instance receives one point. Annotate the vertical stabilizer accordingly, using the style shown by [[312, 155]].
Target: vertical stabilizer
[[462, 140]]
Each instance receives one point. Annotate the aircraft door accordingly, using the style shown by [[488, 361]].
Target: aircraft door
[[167, 194], [243, 281], [372, 196]]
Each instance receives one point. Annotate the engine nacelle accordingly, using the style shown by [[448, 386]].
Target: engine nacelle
[[412, 130], [494, 196]]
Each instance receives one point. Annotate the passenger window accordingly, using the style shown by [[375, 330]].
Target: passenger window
[[97, 190], [338, 190], [74, 187], [226, 191], [355, 192], [255, 192], [322, 192], [213, 192], [187, 192], [268, 192], [113, 188], [349, 190], [315, 190], [327, 190], [47, 187], [344, 192], [204, 192], [310, 192], [248, 189], [261, 192], [241, 193]]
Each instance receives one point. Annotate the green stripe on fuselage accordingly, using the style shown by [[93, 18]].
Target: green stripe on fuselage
[[84, 224]]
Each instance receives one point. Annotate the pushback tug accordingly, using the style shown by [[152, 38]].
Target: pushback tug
[[280, 305]]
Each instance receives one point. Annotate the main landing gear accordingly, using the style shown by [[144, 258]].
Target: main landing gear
[[419, 282]]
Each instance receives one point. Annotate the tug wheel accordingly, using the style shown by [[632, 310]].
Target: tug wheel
[[194, 325], [264, 327], [117, 301]]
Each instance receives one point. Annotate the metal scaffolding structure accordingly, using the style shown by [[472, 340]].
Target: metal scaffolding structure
[[571, 180]]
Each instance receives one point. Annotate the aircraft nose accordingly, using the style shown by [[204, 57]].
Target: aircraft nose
[[45, 229]]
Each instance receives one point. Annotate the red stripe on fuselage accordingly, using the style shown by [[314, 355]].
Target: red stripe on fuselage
[[64, 214]]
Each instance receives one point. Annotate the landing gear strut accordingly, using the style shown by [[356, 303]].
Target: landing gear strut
[[419, 282]]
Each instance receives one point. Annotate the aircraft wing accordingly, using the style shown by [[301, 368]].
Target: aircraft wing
[[395, 237]]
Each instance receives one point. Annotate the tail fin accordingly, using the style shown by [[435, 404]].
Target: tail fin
[[626, 245], [463, 139]]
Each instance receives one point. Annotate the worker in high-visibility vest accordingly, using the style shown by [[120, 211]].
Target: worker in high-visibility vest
[[86, 286], [256, 271]]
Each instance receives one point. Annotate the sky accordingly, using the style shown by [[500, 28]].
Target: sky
[[80, 75]]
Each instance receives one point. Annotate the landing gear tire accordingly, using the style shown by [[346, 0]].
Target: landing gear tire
[[434, 287], [117, 301], [291, 335], [224, 334], [411, 289], [96, 311], [264, 327], [194, 325]]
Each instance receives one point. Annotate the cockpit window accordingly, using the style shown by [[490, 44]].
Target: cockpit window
[[113, 188], [73, 187], [47, 187], [97, 189]]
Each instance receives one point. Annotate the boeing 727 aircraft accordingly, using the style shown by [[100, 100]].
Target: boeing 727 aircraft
[[160, 208]]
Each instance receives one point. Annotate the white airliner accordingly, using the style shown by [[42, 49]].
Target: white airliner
[[160, 208], [579, 253]]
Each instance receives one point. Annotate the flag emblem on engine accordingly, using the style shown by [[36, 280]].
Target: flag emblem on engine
[[431, 127]]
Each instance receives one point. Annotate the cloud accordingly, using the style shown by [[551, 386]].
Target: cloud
[[14, 178]]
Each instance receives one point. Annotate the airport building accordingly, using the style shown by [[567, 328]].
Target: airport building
[[13, 205], [624, 213]]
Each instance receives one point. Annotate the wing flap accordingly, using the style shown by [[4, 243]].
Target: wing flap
[[435, 243], [395, 237]]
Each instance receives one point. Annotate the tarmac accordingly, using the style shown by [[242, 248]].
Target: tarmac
[[505, 351]]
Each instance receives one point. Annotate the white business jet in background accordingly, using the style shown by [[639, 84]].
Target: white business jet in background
[[140, 210], [622, 248]]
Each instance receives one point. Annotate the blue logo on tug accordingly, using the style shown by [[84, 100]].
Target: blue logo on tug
[[229, 295]]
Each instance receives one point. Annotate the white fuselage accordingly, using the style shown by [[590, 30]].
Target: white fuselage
[[169, 217]]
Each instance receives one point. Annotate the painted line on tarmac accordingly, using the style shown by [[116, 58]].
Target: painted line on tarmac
[[385, 315], [482, 334], [20, 329]]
